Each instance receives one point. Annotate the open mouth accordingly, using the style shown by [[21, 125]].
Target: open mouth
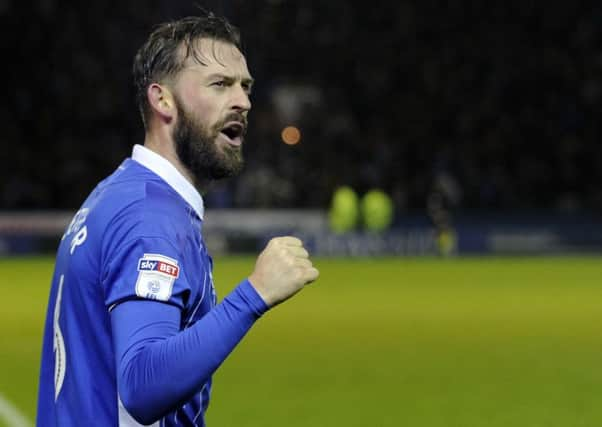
[[234, 132]]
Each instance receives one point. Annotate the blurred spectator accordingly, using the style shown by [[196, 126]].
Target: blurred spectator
[[502, 98]]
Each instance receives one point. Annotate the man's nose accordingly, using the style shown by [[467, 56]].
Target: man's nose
[[240, 100]]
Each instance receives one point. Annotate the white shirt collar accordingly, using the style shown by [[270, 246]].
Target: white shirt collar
[[168, 172]]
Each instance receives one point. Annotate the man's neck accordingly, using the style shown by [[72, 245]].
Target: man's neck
[[164, 147]]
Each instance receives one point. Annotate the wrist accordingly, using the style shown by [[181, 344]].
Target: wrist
[[256, 284], [252, 298]]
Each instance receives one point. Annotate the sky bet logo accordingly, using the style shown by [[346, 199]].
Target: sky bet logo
[[156, 276], [159, 264]]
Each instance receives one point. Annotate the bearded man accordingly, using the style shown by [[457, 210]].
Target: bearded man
[[133, 331]]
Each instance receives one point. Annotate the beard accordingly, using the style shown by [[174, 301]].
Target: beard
[[198, 150]]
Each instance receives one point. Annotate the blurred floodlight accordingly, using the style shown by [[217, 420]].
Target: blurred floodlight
[[291, 135]]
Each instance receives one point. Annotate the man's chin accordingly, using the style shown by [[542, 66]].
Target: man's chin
[[219, 173], [229, 165]]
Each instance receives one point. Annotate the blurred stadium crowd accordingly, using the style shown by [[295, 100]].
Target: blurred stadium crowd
[[487, 105]]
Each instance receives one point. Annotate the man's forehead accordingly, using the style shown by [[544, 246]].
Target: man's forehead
[[211, 55]]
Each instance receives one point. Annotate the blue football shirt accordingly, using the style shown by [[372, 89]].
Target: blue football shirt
[[133, 330]]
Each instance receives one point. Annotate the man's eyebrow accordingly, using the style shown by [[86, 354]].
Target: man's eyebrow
[[246, 80]]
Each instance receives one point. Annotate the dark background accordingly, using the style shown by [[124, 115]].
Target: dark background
[[495, 105]]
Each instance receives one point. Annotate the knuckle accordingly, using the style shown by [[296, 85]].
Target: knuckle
[[293, 262]]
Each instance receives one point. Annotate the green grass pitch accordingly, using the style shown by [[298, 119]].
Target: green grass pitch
[[481, 342]]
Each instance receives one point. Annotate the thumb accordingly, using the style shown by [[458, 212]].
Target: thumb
[[311, 274]]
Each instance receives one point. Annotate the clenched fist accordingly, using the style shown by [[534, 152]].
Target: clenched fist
[[282, 269]]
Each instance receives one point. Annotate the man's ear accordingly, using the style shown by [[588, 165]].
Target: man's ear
[[161, 101]]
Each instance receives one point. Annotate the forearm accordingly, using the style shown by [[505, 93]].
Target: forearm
[[159, 366]]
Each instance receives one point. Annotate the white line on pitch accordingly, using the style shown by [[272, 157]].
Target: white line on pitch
[[11, 415]]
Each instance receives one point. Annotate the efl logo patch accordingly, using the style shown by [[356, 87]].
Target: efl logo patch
[[156, 276]]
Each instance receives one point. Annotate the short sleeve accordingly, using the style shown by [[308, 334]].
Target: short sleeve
[[144, 262]]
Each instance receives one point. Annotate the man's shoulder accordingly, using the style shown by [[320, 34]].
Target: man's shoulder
[[132, 187], [129, 178], [134, 196]]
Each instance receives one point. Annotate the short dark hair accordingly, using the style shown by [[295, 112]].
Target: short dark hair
[[159, 56]]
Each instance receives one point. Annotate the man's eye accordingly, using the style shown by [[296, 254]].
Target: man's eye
[[219, 83]]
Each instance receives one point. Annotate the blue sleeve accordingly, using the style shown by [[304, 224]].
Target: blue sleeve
[[127, 277], [136, 245], [158, 366]]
